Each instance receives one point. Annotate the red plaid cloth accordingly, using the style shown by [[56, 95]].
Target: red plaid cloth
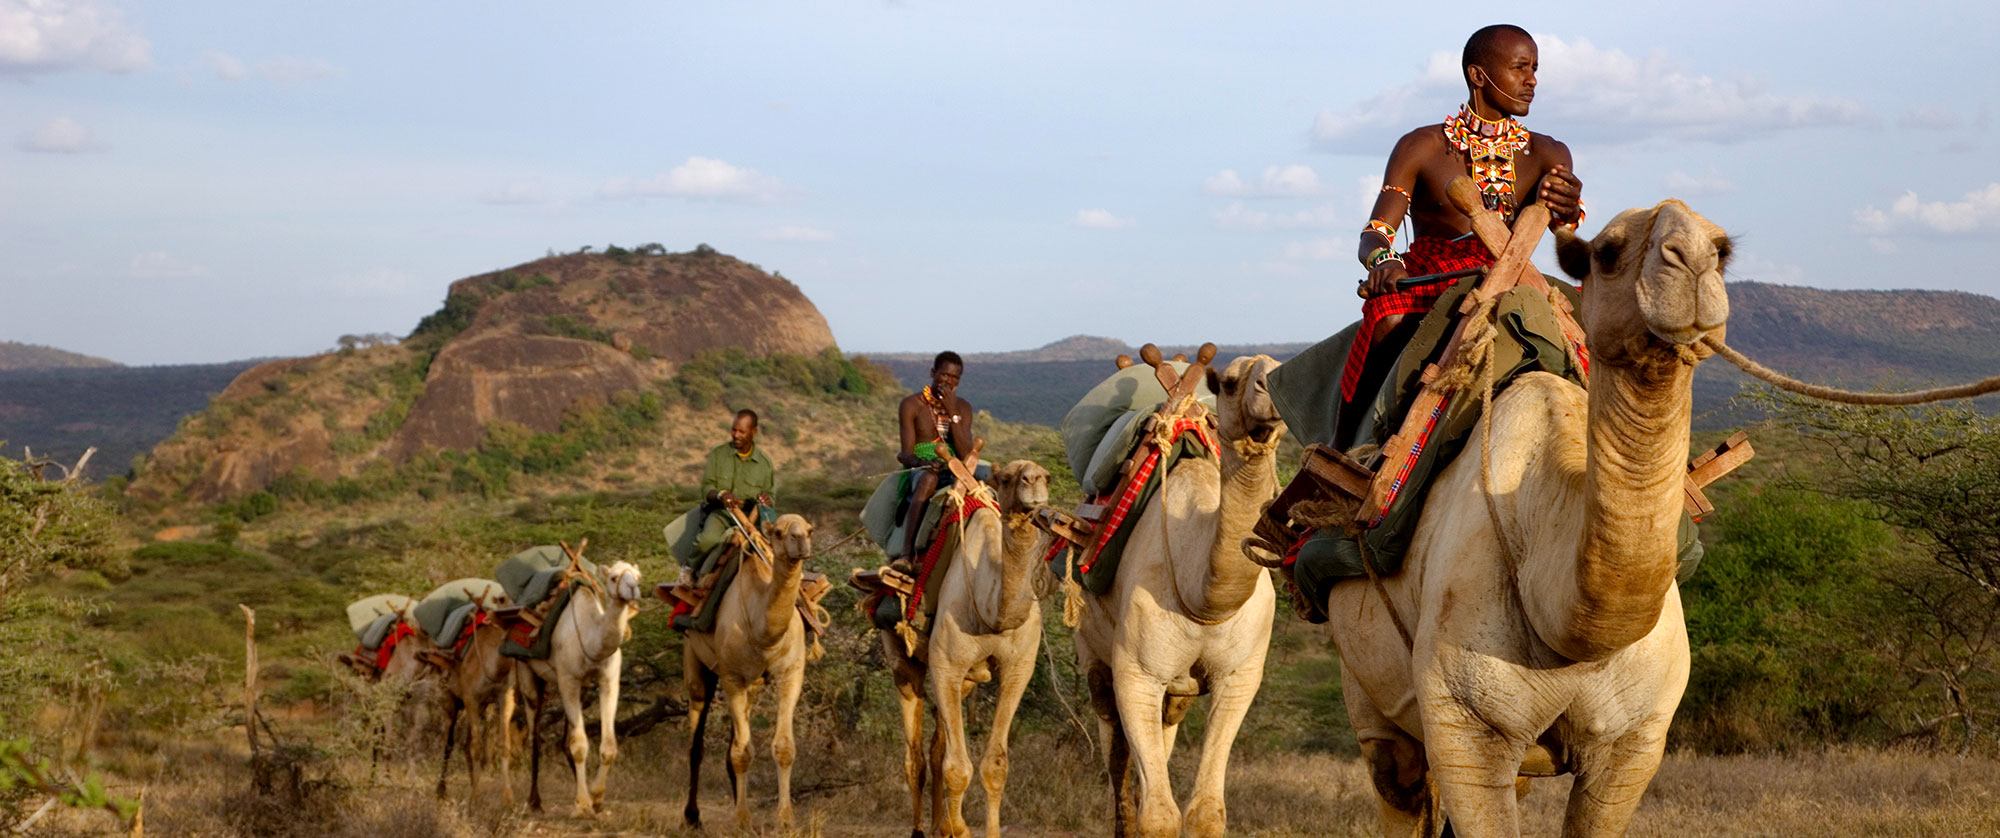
[[1138, 484], [1427, 256], [954, 515], [388, 646]]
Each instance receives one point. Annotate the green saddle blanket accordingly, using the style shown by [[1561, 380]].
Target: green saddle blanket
[[529, 578], [1305, 391]]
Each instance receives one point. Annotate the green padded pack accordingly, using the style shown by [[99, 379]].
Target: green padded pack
[[528, 578], [1134, 388]]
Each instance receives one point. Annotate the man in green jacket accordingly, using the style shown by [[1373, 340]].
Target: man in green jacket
[[738, 474]]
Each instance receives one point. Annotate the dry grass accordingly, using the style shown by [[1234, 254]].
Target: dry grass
[[854, 788]]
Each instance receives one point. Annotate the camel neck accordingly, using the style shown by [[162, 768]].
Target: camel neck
[[779, 597], [1019, 539], [1249, 478], [1636, 446]]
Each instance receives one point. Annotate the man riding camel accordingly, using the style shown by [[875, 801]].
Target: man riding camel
[[934, 423], [738, 475], [1483, 140]]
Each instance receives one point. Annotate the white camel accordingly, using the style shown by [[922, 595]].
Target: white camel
[[1187, 614], [1539, 588], [585, 645]]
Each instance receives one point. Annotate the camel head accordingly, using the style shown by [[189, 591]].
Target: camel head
[[621, 581], [1020, 486], [1243, 406], [1653, 279], [790, 536]]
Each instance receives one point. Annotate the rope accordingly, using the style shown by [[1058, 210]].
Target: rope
[[1833, 394]]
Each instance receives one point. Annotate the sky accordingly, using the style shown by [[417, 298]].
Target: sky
[[195, 181]]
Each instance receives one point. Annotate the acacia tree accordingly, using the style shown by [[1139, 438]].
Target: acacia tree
[[1933, 473]]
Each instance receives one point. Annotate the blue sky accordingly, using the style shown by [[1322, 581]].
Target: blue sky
[[203, 181]]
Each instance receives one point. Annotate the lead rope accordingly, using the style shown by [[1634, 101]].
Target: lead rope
[[1834, 394]]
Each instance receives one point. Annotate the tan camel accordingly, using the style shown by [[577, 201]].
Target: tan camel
[[1188, 614], [585, 645], [987, 621], [759, 637], [1562, 629], [478, 678]]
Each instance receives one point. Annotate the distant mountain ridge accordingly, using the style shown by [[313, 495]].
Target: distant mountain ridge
[[34, 356], [1860, 339]]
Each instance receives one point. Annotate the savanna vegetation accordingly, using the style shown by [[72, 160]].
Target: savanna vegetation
[[1842, 622]]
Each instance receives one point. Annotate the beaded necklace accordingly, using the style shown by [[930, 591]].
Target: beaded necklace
[[1489, 147], [941, 417]]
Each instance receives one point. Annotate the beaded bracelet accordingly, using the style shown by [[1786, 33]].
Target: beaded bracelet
[[1378, 256], [1382, 228], [1573, 224]]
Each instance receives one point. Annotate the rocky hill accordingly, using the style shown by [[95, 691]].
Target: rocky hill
[[31, 356], [532, 352]]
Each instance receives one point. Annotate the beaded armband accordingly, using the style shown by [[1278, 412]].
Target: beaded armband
[[1398, 190], [1382, 228]]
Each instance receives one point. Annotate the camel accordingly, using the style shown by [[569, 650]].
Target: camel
[[759, 637], [987, 621], [1188, 614], [480, 677], [1538, 591], [585, 645]]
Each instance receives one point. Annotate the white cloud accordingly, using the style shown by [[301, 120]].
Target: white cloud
[[792, 233], [226, 67], [516, 192], [1605, 96], [1238, 216], [699, 177], [1294, 181], [1931, 118], [52, 36], [61, 135], [1977, 213], [290, 70], [1680, 184], [160, 264], [1099, 219]]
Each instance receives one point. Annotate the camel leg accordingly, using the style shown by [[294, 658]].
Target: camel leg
[[475, 744], [1140, 707], [450, 727], [784, 749], [993, 765], [909, 694], [1396, 763], [570, 690], [701, 693], [1475, 767], [607, 725], [738, 698], [948, 689], [1611, 777], [1228, 702], [937, 771], [507, 701], [535, 743], [1117, 752]]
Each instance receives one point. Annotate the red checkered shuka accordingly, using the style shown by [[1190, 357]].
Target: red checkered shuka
[[1427, 256], [958, 513], [1138, 483]]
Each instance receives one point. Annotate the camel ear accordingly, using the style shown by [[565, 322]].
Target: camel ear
[[1572, 253], [1214, 381]]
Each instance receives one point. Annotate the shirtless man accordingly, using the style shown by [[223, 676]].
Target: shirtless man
[[934, 423], [1482, 140]]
